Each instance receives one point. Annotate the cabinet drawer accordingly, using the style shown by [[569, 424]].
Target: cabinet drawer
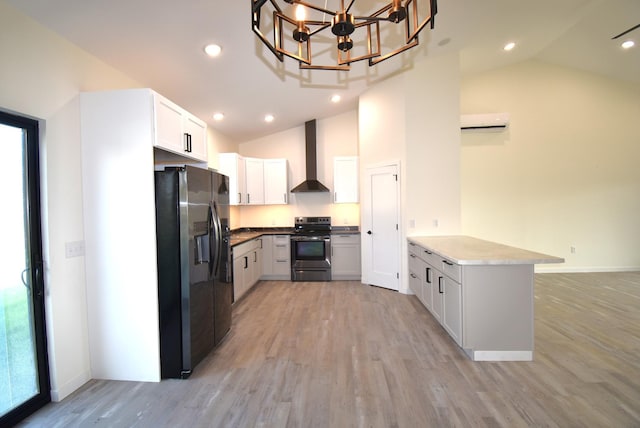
[[415, 265], [430, 257], [452, 270], [352, 239]]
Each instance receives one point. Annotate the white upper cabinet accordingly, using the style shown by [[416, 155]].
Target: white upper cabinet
[[276, 185], [233, 165], [345, 179], [178, 131], [196, 132], [255, 181]]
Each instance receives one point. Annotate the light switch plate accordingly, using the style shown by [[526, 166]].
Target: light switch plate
[[74, 249]]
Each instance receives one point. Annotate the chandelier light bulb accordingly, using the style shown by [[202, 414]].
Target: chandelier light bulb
[[509, 46], [300, 13], [627, 44]]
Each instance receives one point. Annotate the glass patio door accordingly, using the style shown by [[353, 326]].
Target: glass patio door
[[24, 375]]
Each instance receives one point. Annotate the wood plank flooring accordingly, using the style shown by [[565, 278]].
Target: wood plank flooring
[[343, 354]]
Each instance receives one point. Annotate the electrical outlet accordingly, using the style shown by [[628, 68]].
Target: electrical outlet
[[412, 223], [74, 249], [435, 223], [573, 249]]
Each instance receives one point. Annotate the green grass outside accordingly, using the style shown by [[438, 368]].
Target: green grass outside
[[17, 361]]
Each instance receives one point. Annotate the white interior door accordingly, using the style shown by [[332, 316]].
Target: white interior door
[[380, 219]]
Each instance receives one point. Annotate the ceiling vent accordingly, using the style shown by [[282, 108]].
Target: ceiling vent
[[311, 183]]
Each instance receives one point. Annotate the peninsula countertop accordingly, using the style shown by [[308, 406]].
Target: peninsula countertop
[[465, 250]]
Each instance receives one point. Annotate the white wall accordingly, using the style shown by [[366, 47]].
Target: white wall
[[336, 136], [41, 76], [413, 118], [566, 171]]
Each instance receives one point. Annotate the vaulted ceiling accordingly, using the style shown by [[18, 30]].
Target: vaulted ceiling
[[160, 43]]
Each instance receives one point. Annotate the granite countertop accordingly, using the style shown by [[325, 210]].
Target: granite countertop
[[240, 236], [465, 250]]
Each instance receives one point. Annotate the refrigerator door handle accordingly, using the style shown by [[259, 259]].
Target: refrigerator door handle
[[217, 238]]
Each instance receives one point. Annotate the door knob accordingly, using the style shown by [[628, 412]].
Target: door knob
[[368, 232]]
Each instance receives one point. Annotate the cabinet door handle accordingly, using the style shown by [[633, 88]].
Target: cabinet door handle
[[447, 262], [285, 198], [428, 275], [239, 197], [440, 285], [428, 252], [255, 257], [248, 198], [246, 262], [186, 142], [413, 256], [335, 196], [413, 276]]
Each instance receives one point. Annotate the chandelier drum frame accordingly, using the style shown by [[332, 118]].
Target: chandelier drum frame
[[343, 25]]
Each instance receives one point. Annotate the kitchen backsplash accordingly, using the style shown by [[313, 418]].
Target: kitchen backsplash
[[283, 215]]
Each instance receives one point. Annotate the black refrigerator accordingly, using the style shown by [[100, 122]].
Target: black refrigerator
[[195, 287]]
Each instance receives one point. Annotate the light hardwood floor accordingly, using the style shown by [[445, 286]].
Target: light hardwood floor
[[342, 354]]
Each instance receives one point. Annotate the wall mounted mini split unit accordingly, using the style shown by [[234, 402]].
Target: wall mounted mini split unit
[[489, 121]]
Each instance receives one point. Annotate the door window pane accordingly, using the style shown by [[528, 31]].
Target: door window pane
[[18, 370]]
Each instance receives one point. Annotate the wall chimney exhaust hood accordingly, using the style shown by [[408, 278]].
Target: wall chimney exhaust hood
[[311, 183]]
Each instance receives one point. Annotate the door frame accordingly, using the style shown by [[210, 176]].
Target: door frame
[[33, 215], [365, 203]]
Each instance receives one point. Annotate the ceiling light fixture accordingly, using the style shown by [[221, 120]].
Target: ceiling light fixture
[[355, 37], [212, 50], [218, 116], [269, 118], [628, 44], [335, 98], [509, 46]]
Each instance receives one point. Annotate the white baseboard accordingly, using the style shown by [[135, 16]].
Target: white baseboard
[[500, 355], [585, 269], [62, 392]]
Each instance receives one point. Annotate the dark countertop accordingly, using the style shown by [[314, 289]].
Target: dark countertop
[[245, 234]]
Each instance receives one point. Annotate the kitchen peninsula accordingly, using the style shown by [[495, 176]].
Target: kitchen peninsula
[[481, 292]]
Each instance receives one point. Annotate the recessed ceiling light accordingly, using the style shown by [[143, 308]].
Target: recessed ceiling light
[[269, 118], [218, 116], [509, 46], [628, 44], [213, 50], [335, 98]]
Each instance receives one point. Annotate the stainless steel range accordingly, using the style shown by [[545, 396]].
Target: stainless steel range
[[311, 249]]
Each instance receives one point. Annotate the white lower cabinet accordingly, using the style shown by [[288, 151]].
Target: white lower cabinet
[[452, 309], [439, 288], [345, 257], [281, 249], [247, 266], [276, 257]]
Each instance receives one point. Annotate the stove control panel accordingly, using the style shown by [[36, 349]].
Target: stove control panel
[[313, 220]]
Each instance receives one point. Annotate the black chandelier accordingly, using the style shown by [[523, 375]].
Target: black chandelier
[[356, 37]]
